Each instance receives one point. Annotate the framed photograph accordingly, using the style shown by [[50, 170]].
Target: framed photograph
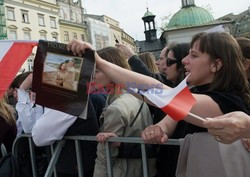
[[60, 78]]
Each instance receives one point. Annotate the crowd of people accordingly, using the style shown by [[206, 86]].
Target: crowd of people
[[217, 69]]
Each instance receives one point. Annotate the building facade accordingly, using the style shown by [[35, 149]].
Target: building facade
[[31, 20], [98, 33], [116, 33], [71, 21], [240, 23]]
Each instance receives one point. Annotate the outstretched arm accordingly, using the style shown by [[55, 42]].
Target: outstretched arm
[[113, 71]]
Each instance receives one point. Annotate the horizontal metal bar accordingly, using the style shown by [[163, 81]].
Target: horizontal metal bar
[[114, 139], [121, 139]]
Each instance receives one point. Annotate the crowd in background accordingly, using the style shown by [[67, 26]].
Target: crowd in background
[[217, 67]]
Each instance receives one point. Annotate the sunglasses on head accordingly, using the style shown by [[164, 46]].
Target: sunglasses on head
[[170, 62]]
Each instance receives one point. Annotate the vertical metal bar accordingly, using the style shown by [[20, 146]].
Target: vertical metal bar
[[79, 159], [108, 157], [3, 150], [54, 158], [144, 160], [52, 152], [32, 157]]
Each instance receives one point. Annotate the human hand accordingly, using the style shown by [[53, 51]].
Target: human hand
[[154, 135], [246, 143], [229, 127], [27, 83], [126, 50], [102, 137], [78, 47]]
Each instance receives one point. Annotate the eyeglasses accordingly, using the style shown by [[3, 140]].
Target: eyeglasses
[[170, 62]]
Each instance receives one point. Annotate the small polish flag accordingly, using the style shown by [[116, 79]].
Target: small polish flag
[[176, 102], [12, 55]]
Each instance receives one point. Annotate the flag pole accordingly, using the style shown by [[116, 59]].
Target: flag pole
[[196, 117]]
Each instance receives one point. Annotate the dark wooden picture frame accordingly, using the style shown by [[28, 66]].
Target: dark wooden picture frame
[[71, 94]]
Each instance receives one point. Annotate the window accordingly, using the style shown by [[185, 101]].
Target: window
[[12, 34], [52, 22], [30, 64], [25, 16], [26, 35], [82, 37], [43, 34], [41, 20], [54, 36], [66, 36], [10, 13], [74, 35]]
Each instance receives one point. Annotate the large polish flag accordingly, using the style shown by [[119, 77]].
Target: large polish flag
[[176, 102], [12, 55]]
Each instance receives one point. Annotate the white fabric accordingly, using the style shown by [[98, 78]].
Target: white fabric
[[4, 46], [46, 125], [161, 97]]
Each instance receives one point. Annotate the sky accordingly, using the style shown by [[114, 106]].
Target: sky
[[130, 12]]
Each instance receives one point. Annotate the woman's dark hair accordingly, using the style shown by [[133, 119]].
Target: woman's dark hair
[[59, 67], [231, 76], [180, 51]]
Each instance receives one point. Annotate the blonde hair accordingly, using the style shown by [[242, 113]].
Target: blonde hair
[[7, 112], [149, 59]]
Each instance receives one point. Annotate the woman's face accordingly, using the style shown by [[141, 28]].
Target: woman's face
[[63, 66], [199, 66], [170, 68], [100, 80]]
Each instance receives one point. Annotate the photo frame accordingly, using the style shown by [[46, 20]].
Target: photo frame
[[60, 79]]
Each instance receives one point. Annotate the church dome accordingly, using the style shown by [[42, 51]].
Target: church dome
[[148, 13], [190, 16]]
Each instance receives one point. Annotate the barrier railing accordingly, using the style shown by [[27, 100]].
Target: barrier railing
[[56, 150], [3, 150]]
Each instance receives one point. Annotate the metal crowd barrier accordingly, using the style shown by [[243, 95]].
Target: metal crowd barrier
[[56, 149], [3, 150]]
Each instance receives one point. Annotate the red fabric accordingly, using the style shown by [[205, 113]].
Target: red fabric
[[180, 105], [12, 61]]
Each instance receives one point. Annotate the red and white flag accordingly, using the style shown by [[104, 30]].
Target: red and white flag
[[12, 55], [176, 102]]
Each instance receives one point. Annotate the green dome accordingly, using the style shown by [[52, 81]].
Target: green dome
[[190, 16], [148, 14]]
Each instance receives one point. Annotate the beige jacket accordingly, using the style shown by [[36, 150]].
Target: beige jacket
[[120, 111]]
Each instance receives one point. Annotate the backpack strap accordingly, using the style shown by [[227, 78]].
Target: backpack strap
[[137, 114]]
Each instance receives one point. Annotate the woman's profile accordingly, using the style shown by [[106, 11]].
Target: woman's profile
[[60, 75]]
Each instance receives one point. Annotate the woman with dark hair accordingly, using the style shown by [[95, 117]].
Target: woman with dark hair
[[174, 69], [175, 72], [125, 116], [60, 75]]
